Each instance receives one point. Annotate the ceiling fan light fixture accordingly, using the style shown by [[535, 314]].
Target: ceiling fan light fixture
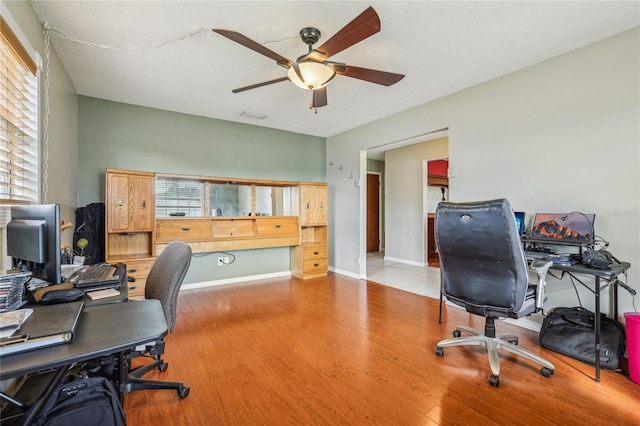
[[316, 75]]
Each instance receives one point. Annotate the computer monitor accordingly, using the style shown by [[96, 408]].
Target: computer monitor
[[33, 240], [573, 228], [519, 222]]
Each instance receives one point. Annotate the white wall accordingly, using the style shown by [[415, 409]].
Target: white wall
[[405, 210], [561, 135]]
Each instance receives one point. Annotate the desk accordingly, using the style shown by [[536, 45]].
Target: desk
[[103, 330], [610, 276]]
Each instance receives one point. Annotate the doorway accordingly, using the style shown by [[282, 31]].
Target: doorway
[[373, 212], [437, 182]]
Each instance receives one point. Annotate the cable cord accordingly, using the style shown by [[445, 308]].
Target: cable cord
[[45, 119]]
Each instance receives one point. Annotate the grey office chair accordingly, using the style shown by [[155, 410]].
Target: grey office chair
[[163, 283], [483, 269]]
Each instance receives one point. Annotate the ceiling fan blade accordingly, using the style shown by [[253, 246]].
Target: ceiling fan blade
[[319, 97], [372, 76], [364, 25], [336, 66], [255, 46], [264, 83]]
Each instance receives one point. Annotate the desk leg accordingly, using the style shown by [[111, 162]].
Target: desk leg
[[597, 327], [122, 375], [615, 299]]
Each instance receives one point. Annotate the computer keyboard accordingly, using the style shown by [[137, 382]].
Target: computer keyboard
[[535, 254], [94, 275]]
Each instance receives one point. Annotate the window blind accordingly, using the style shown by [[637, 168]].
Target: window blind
[[19, 161], [179, 196]]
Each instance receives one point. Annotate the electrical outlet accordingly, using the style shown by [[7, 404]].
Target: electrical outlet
[[220, 261], [223, 261]]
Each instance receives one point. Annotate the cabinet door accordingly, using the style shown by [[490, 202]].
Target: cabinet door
[[117, 203], [142, 200], [321, 213], [307, 205]]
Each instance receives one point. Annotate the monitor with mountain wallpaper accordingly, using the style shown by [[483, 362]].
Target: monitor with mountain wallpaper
[[573, 228]]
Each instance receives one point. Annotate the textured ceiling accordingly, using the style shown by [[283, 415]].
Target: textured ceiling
[[163, 54]]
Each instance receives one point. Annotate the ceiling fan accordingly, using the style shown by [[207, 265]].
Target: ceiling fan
[[314, 71]]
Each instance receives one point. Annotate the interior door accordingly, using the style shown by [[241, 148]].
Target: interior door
[[373, 212]]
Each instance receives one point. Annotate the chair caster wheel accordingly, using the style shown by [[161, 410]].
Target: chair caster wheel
[[439, 351], [546, 372], [457, 333], [163, 366], [494, 380], [183, 392]]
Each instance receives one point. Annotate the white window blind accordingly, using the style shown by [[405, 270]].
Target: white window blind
[[18, 121], [176, 196]]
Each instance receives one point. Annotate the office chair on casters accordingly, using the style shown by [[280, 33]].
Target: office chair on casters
[[163, 283], [483, 269]]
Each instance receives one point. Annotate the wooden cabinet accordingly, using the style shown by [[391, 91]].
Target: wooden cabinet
[[283, 214], [130, 201], [310, 258], [130, 224], [313, 204]]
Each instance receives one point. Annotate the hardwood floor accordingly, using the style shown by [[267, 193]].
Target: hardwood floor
[[338, 351]]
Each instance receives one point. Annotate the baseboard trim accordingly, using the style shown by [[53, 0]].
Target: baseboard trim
[[203, 284], [405, 261], [346, 273]]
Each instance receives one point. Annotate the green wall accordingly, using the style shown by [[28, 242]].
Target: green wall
[[112, 134]]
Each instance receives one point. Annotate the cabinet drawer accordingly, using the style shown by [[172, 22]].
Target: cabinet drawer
[[234, 228], [183, 230], [314, 252], [315, 265], [277, 227], [138, 269]]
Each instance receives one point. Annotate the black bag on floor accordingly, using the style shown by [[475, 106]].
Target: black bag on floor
[[571, 332], [78, 401]]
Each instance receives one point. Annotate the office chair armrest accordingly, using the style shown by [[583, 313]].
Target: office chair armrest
[[540, 267]]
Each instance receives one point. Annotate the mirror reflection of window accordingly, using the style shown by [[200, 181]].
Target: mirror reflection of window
[[264, 200], [229, 199]]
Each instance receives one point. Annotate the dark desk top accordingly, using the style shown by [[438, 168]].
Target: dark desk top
[[103, 330], [614, 270]]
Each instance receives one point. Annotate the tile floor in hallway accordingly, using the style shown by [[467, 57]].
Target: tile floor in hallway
[[423, 280]]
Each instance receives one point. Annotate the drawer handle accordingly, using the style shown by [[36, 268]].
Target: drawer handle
[[186, 229], [316, 264], [316, 253], [278, 226], [134, 270]]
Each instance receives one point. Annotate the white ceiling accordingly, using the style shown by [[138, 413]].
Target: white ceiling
[[163, 54]]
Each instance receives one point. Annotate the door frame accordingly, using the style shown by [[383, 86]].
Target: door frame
[[362, 184]]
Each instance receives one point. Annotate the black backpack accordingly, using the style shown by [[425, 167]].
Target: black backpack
[[81, 401], [88, 238]]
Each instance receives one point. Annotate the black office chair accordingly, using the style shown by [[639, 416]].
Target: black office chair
[[163, 283], [483, 269]]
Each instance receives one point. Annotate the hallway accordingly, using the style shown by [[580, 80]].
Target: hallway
[[422, 280]]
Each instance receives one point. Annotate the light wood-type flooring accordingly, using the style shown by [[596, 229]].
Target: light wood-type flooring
[[339, 351]]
